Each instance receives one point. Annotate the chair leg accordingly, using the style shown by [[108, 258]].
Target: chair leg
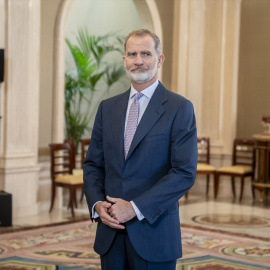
[[253, 190], [69, 202], [72, 191], [242, 188], [207, 184], [73, 200], [216, 184], [82, 196], [52, 197], [233, 186], [262, 194]]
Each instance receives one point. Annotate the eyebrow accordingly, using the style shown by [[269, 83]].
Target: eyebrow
[[134, 52], [146, 52]]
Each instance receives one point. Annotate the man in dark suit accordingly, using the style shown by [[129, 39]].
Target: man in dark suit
[[141, 160]]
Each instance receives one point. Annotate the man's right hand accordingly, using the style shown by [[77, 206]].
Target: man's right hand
[[102, 209]]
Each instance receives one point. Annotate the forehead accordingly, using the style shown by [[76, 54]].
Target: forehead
[[136, 43]]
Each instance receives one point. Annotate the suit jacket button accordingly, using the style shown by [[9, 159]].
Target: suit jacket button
[[124, 179]]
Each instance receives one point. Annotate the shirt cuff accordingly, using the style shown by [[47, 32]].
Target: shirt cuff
[[140, 216], [94, 213]]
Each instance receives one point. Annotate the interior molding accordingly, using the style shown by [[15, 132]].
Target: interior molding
[[59, 71], [155, 18], [157, 25], [150, 19], [18, 170]]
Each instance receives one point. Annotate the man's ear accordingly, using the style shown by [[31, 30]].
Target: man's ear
[[161, 60]]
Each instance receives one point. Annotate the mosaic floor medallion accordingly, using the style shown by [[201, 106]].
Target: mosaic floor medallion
[[20, 264], [67, 254], [216, 263], [224, 220], [255, 252]]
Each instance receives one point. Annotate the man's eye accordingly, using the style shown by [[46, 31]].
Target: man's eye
[[146, 54], [132, 54]]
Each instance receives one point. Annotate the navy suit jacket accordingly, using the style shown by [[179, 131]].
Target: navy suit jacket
[[159, 169]]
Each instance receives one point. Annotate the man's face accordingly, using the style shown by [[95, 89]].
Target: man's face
[[141, 60]]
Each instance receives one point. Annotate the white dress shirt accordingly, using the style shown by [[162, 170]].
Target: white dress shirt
[[144, 101]]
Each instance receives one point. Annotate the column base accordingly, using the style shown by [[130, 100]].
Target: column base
[[22, 184]]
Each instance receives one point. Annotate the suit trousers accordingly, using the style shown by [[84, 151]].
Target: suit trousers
[[122, 256]]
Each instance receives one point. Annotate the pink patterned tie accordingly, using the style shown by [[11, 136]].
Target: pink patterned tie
[[132, 122]]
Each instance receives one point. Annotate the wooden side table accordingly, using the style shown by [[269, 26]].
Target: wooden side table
[[262, 171]]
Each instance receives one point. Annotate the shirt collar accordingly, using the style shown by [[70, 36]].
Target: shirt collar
[[148, 92]]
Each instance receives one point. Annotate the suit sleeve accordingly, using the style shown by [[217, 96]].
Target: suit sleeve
[[93, 167], [180, 178]]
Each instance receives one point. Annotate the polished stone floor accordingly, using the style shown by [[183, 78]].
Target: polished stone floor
[[251, 218]]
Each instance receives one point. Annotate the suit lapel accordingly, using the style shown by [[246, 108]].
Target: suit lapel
[[151, 115], [118, 117]]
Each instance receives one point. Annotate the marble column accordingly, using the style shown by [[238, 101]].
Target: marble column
[[205, 70], [19, 169], [205, 66]]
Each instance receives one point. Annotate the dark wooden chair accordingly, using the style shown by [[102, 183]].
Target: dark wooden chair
[[62, 164], [84, 147], [203, 165], [243, 165]]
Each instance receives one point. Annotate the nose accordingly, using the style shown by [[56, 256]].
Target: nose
[[138, 61]]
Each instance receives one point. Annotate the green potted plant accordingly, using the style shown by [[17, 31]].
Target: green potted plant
[[91, 74]]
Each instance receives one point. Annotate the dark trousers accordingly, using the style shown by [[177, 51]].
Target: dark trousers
[[122, 256]]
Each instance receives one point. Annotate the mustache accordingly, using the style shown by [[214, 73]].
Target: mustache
[[139, 68]]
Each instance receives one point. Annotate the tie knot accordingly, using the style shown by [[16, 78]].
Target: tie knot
[[138, 95]]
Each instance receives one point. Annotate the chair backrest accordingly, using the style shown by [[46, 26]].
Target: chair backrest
[[73, 151], [61, 159], [244, 152], [84, 148], [203, 150]]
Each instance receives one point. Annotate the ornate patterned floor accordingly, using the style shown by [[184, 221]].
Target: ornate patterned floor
[[70, 246]]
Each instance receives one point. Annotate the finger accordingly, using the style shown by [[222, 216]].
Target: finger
[[116, 226], [110, 219], [107, 204], [111, 199], [102, 207], [109, 211]]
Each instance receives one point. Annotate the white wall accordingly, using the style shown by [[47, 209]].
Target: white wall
[[102, 16]]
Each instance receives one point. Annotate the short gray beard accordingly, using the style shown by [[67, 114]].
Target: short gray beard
[[141, 77]]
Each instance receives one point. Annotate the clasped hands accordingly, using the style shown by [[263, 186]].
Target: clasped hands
[[114, 212]]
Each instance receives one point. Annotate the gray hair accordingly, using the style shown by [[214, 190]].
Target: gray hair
[[143, 33]]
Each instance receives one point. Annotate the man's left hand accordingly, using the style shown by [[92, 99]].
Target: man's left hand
[[121, 210]]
